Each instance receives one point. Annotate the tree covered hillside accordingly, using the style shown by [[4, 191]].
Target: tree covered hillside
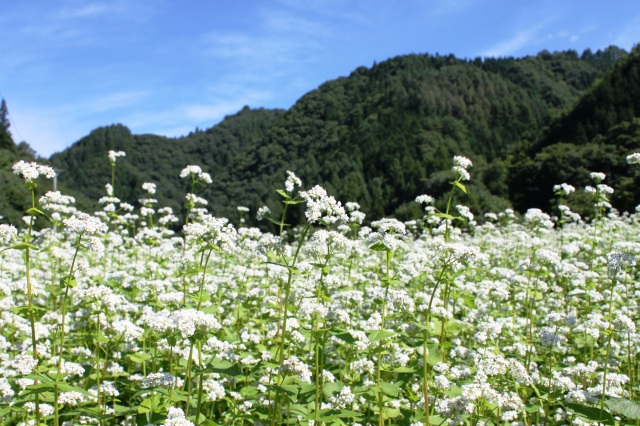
[[596, 135], [380, 137], [386, 134], [222, 151]]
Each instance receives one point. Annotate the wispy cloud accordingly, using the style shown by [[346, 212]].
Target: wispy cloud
[[510, 46], [87, 10], [525, 36], [115, 100]]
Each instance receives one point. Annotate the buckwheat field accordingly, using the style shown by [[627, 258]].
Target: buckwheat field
[[131, 316]]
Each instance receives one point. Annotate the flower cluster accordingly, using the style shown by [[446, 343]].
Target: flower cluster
[[8, 233], [213, 231], [323, 207], [31, 171], [633, 158], [83, 223], [149, 187], [291, 182], [113, 155], [460, 166], [196, 173], [563, 189]]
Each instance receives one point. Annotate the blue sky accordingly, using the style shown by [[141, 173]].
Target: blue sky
[[166, 67]]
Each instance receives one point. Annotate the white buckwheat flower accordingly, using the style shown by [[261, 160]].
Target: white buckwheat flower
[[460, 166], [425, 199], [213, 230], [291, 182], [24, 363], [196, 173], [85, 224], [149, 187], [113, 155], [563, 189], [31, 171], [633, 158], [8, 233], [321, 206], [175, 417]]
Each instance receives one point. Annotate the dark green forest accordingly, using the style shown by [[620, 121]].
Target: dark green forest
[[385, 134]]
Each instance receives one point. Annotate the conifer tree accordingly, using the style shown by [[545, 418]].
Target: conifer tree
[[6, 141]]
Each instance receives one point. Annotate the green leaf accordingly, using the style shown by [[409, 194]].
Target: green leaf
[[283, 193], [139, 358], [24, 312], [377, 335], [40, 377], [459, 185], [334, 416], [390, 389], [220, 365], [393, 282], [469, 301], [532, 408], [434, 356], [342, 335], [34, 211], [391, 413], [101, 337], [146, 406], [445, 216], [69, 281], [453, 326], [379, 247], [332, 387], [50, 386], [22, 246], [592, 414], [626, 407], [404, 370], [420, 325]]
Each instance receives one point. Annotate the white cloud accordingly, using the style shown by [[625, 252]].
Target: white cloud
[[86, 10], [114, 101], [509, 46]]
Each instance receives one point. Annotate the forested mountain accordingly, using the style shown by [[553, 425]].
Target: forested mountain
[[596, 135], [385, 134], [223, 151]]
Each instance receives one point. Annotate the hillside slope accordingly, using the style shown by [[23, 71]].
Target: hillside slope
[[596, 135], [380, 136]]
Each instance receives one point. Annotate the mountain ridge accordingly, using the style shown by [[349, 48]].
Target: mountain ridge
[[380, 137]]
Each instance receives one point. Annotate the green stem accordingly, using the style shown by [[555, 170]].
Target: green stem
[[32, 318], [204, 262], [425, 350], [283, 330], [63, 312], [608, 352], [382, 325]]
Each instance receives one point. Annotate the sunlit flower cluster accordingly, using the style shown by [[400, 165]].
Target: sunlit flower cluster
[[31, 171]]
